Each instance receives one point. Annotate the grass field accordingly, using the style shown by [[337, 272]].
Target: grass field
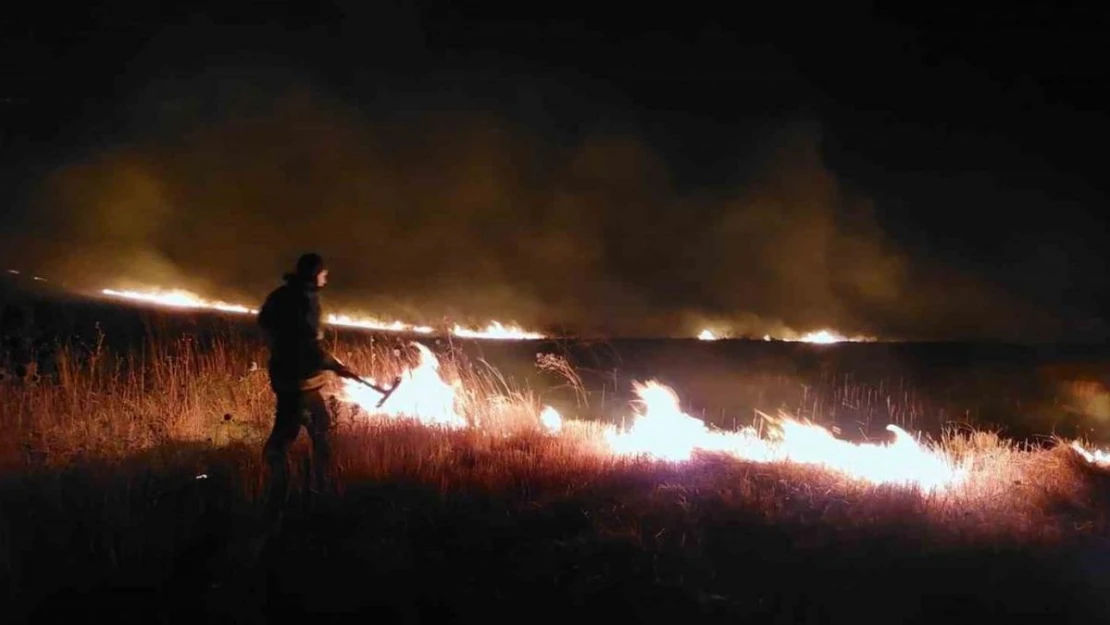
[[131, 482]]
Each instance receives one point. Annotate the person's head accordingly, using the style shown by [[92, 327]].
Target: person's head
[[310, 269]]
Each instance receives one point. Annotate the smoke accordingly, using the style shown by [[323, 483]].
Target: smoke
[[223, 181]]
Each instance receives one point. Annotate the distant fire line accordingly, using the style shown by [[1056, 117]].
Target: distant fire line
[[820, 337], [177, 298]]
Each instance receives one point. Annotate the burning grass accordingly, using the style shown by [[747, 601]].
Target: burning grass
[[131, 484]]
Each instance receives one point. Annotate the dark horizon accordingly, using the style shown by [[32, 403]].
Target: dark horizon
[[935, 178]]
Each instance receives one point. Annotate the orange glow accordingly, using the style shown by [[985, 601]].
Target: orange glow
[[819, 337], [181, 299], [495, 330], [1098, 457], [822, 337], [661, 430], [551, 420], [176, 298], [422, 395]]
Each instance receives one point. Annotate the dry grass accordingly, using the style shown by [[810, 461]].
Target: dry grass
[[99, 493]]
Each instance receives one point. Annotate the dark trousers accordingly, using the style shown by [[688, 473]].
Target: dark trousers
[[295, 409]]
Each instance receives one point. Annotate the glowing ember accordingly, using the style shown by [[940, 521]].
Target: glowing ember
[[495, 331], [551, 420], [663, 431], [423, 395], [178, 298], [707, 335]]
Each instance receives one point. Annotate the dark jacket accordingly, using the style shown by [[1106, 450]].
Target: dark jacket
[[291, 318]]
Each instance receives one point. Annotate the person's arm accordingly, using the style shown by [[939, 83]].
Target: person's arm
[[327, 360]]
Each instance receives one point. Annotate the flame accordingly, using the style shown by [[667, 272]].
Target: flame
[[664, 432], [822, 337], [1098, 456], [660, 431], [178, 298], [370, 323], [495, 331], [819, 337], [551, 420], [422, 395]]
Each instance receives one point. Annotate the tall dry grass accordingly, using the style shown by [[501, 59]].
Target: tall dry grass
[[107, 406], [144, 469]]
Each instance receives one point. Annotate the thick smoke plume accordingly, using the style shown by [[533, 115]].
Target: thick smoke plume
[[430, 214]]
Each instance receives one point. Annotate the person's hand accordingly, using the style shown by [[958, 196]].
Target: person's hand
[[346, 372]]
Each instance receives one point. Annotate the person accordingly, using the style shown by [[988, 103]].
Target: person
[[291, 318], [17, 329]]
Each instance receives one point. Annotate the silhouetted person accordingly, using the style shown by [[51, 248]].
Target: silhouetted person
[[17, 329], [291, 319]]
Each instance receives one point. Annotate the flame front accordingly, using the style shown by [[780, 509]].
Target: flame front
[[828, 337], [660, 430], [177, 298], [369, 323], [822, 337], [819, 337], [1098, 457], [422, 395], [495, 330], [663, 431]]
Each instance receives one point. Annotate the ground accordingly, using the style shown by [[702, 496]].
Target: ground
[[131, 479]]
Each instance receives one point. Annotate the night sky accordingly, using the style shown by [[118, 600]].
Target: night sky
[[933, 173]]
